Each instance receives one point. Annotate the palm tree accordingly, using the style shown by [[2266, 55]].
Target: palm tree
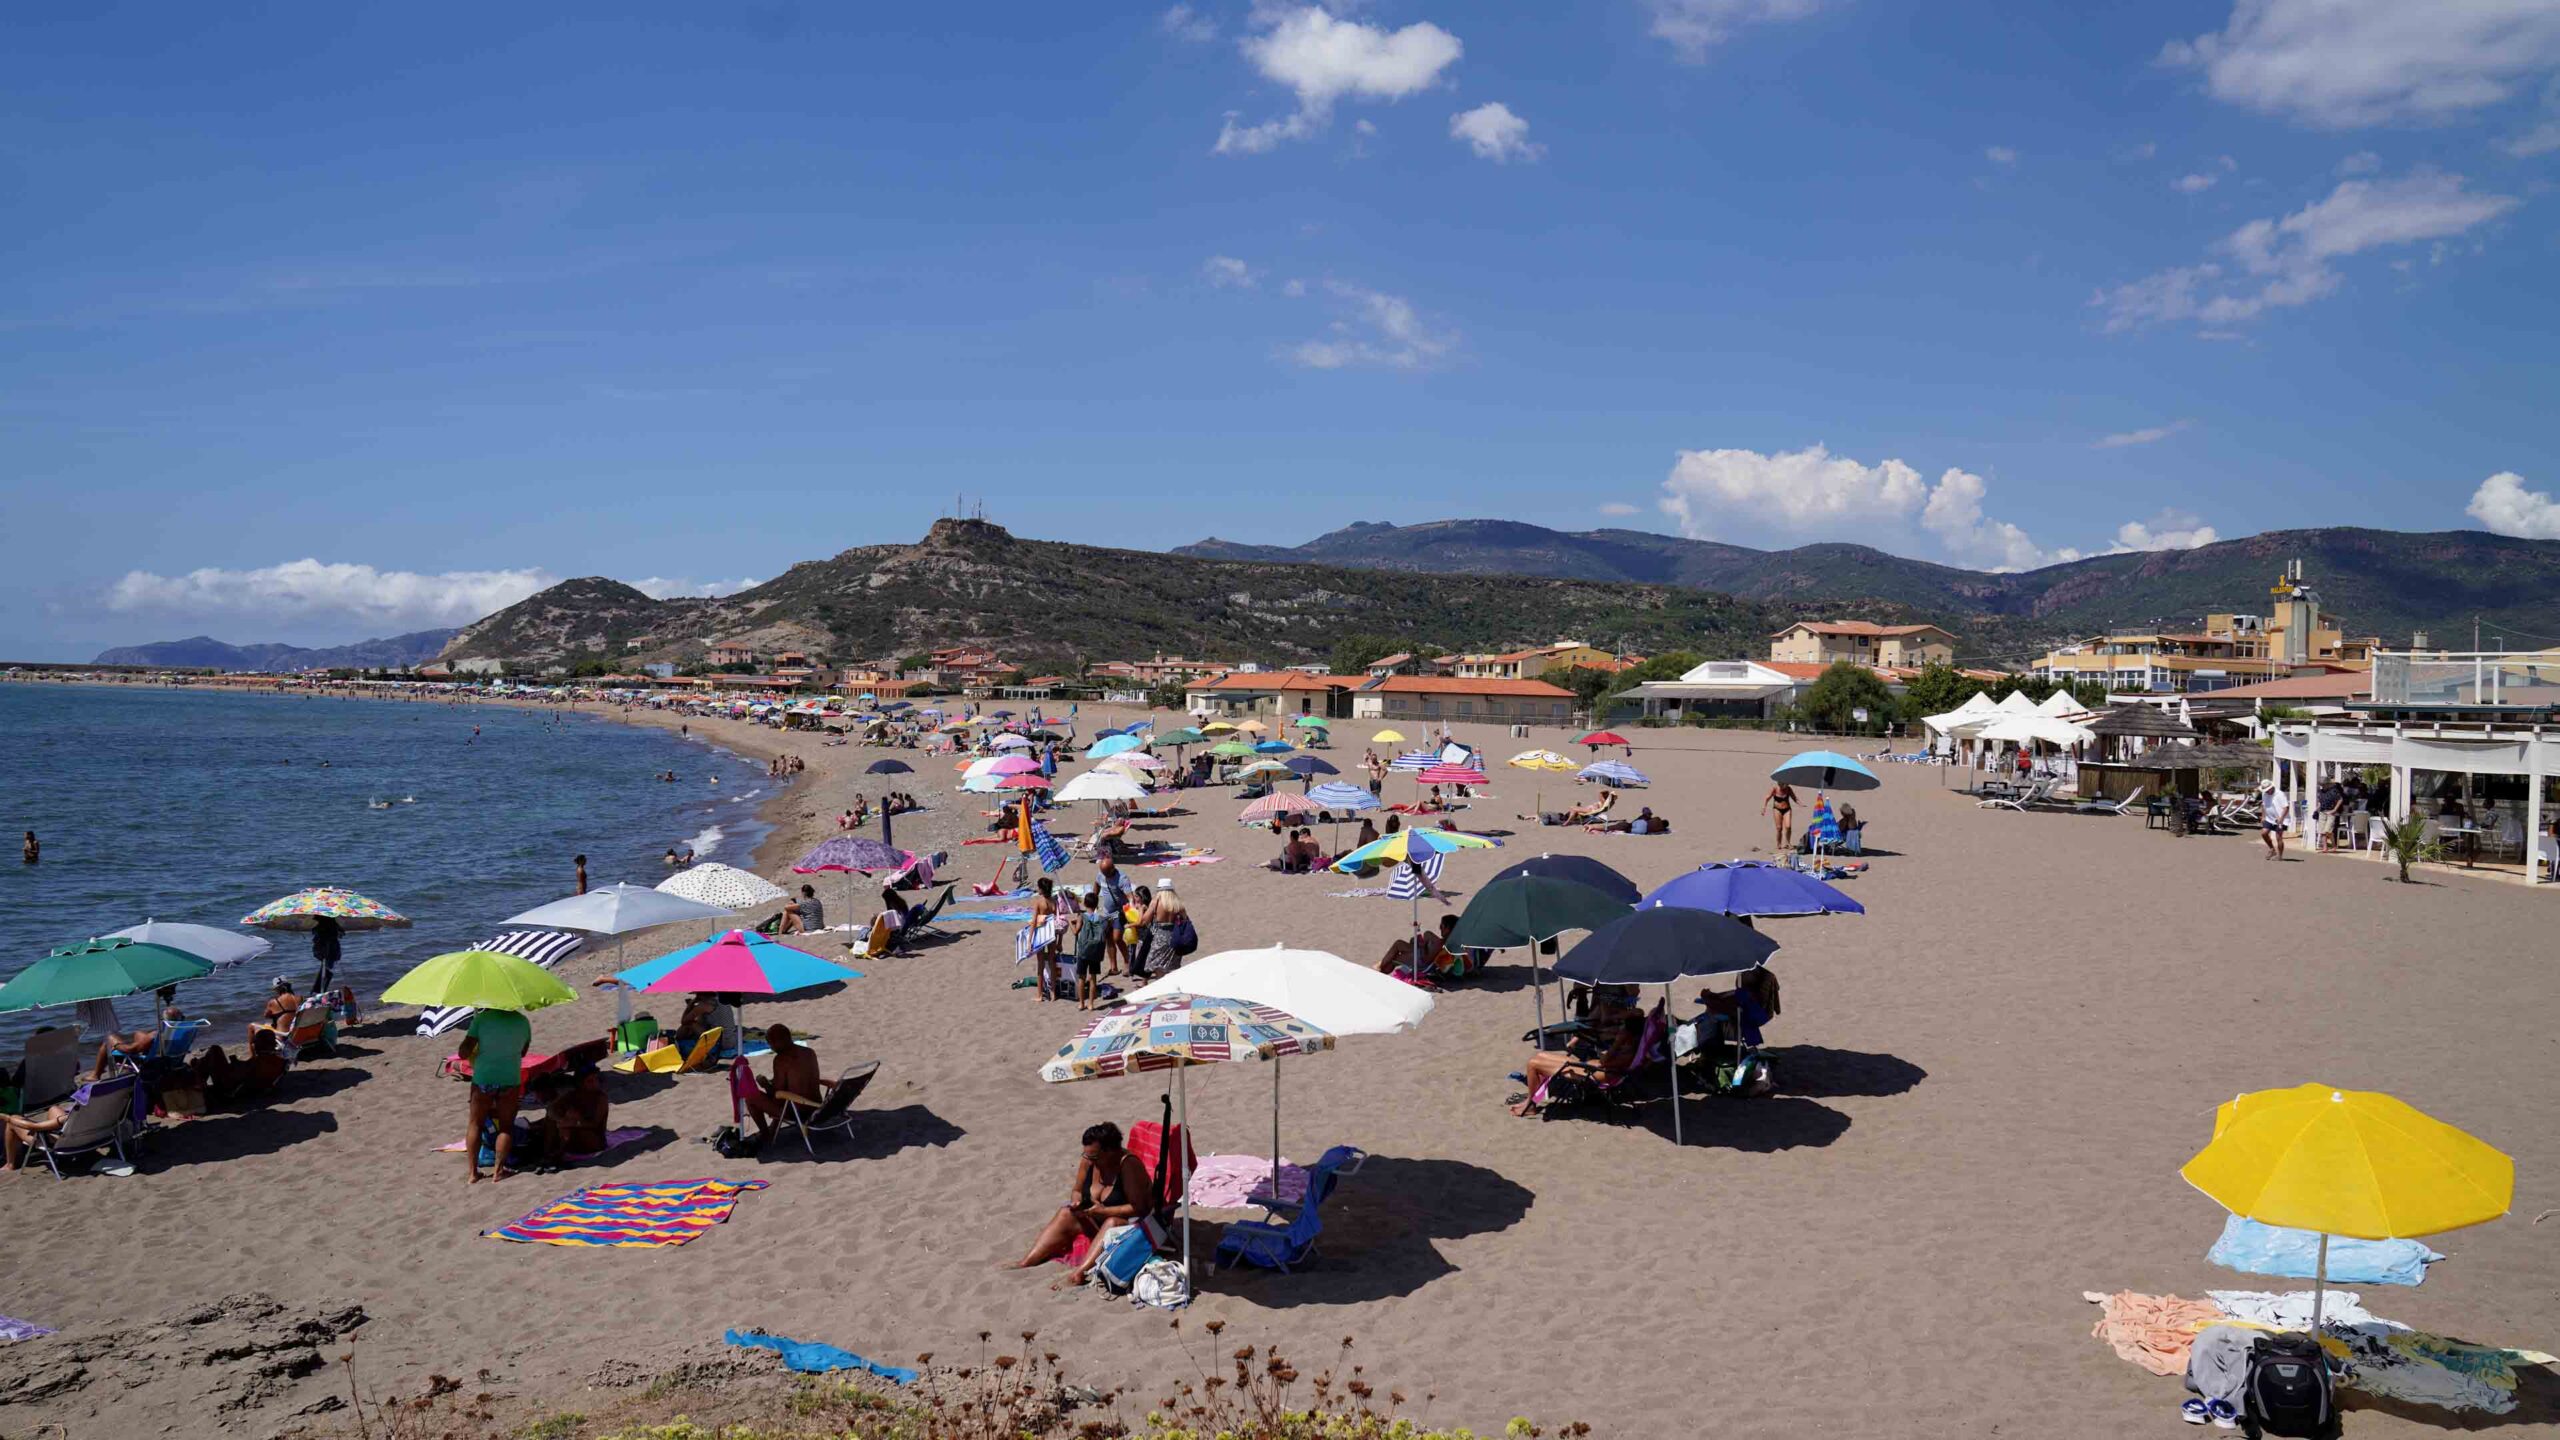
[[2407, 844]]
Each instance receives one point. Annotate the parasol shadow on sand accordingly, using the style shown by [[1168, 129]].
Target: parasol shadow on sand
[[1379, 1227]]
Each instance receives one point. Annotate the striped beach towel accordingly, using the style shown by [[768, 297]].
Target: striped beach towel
[[629, 1217], [1408, 885], [545, 948]]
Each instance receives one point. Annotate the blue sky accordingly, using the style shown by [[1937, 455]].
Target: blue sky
[[323, 325]]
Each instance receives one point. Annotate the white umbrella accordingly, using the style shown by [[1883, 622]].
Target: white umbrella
[[1324, 990], [726, 886], [617, 910], [1100, 785], [212, 946]]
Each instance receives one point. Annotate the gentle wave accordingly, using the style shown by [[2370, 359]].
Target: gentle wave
[[705, 841]]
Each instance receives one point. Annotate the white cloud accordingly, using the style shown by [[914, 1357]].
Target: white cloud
[[2147, 435], [2363, 162], [1323, 58], [1294, 289], [1494, 133], [660, 587], [2542, 139], [2503, 505], [1184, 23], [2270, 264], [1618, 509], [1811, 493], [1374, 330], [1227, 272], [1693, 27], [2196, 183], [2000, 155], [2168, 530], [300, 589], [2363, 62]]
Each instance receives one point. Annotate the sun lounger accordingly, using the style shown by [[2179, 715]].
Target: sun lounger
[[665, 1060], [1270, 1245], [100, 1122], [1339, 1161], [2095, 806], [52, 1067], [809, 1115]]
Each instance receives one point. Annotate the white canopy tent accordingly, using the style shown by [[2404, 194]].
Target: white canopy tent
[[2026, 729], [1976, 707]]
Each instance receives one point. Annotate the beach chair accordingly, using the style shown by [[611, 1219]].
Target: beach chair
[[101, 1122], [808, 1115], [2095, 806], [314, 1028], [52, 1067], [1612, 1096], [1339, 1161], [1269, 1245], [632, 1036], [666, 1061], [924, 921]]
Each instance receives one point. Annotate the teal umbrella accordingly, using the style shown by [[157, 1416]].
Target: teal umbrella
[[98, 970]]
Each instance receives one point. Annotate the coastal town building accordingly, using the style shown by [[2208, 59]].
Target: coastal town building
[[1463, 698], [1531, 663], [2228, 651], [727, 654], [1272, 692], [1162, 669], [1757, 689], [1824, 642], [960, 667]]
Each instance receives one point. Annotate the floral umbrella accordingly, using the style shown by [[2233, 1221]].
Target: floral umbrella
[[302, 910], [1175, 1033]]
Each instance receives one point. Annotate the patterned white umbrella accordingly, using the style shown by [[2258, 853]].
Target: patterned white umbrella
[[726, 886]]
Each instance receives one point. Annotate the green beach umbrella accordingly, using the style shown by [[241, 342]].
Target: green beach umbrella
[[1231, 748], [98, 970], [1185, 736], [483, 979]]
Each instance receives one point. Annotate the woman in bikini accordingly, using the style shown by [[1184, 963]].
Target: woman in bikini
[[1546, 1065], [1781, 803], [1110, 1188]]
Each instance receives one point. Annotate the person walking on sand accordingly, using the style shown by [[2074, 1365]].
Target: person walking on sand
[[2275, 813], [1780, 802]]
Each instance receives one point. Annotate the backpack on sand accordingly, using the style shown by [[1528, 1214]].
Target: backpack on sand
[[2288, 1389]]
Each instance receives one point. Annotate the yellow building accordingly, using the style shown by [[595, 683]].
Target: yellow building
[[1827, 642], [1530, 664]]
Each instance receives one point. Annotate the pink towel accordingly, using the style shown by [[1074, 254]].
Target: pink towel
[[1227, 1182]]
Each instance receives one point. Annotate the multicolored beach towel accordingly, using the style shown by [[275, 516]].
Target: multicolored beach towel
[[633, 1216]]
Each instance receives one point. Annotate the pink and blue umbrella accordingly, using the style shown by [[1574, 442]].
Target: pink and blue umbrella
[[740, 962]]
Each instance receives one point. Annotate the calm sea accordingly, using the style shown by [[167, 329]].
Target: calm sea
[[179, 805]]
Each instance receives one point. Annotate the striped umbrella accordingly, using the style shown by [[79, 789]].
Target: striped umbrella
[[1614, 772], [1278, 806], [1450, 775], [1341, 798]]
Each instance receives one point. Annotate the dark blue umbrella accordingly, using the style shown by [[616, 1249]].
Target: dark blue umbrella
[[1753, 887], [1581, 870], [1663, 945], [1304, 765], [888, 767]]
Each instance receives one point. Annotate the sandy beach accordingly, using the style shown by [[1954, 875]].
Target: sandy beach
[[1986, 1086]]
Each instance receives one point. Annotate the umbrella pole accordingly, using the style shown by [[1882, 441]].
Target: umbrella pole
[[1182, 1109], [1671, 1058], [2319, 1283], [1275, 1127]]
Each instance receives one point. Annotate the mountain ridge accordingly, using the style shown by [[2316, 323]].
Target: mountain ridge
[[203, 652]]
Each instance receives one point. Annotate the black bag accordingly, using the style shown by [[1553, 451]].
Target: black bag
[[1186, 937], [2289, 1390]]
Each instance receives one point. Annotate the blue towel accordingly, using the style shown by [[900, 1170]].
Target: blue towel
[[2259, 1249], [811, 1358]]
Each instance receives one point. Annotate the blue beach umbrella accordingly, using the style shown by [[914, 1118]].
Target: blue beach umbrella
[[1825, 770], [1614, 773], [1753, 887], [1662, 945], [1273, 747], [1339, 796], [1580, 869], [1110, 745], [888, 767], [1303, 766]]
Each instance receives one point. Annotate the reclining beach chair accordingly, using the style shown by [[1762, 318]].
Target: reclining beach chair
[[102, 1122], [924, 921], [808, 1115], [1339, 1161], [314, 1028], [2095, 806], [1270, 1245], [52, 1067], [1612, 1096], [666, 1061]]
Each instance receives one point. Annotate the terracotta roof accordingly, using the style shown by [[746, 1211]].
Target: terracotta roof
[[1279, 680], [1401, 657], [1453, 685]]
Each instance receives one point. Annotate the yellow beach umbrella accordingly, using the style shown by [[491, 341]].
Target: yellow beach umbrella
[[1547, 760], [1387, 737], [2348, 1162], [1217, 727]]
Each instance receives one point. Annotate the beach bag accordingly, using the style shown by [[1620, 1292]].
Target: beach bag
[[2288, 1389], [1162, 1285], [1186, 937], [1124, 1253]]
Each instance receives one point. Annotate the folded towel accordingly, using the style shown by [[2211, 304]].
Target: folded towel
[[2272, 1250]]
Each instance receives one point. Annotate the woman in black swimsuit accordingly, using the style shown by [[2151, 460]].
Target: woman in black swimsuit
[[1110, 1188], [1780, 802]]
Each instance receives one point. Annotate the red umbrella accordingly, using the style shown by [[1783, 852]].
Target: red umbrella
[[1028, 780], [1604, 737]]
